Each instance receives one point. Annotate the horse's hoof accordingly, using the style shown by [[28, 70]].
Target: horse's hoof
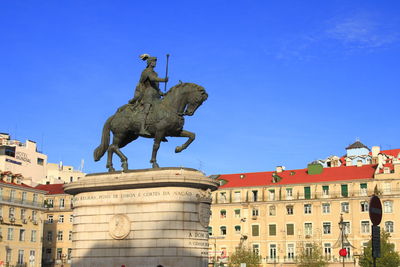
[[124, 166], [178, 149], [111, 169], [155, 165]]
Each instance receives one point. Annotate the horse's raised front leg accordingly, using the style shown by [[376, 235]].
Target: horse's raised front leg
[[185, 133], [157, 140]]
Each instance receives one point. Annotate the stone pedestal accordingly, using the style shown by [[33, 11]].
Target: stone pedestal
[[142, 218]]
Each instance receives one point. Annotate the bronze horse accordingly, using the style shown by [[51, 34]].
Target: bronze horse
[[165, 119]]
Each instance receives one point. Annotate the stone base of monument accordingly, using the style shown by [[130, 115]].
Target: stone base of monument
[[142, 218]]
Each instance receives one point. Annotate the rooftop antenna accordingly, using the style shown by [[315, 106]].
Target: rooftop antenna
[[81, 166]]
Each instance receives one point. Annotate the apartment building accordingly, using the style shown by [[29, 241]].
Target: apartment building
[[57, 231], [23, 158], [276, 213], [21, 208]]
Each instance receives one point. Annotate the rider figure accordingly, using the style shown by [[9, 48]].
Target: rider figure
[[147, 90]]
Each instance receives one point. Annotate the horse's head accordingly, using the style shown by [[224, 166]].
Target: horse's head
[[195, 98]]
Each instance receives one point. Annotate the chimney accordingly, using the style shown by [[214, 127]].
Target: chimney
[[375, 151], [279, 169], [359, 163]]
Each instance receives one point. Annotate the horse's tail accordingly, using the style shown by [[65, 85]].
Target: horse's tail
[[105, 141]]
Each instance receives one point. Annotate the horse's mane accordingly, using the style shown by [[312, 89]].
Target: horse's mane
[[182, 85]]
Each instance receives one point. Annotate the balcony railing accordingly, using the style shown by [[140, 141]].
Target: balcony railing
[[20, 201]]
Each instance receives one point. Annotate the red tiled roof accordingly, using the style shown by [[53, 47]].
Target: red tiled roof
[[52, 189], [14, 184], [392, 152], [344, 173]]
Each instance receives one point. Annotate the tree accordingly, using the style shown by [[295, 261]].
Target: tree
[[244, 255], [389, 257], [311, 256]]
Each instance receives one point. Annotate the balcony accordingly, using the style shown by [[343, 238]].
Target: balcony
[[22, 202]]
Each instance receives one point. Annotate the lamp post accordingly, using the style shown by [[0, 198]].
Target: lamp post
[[215, 247], [341, 227]]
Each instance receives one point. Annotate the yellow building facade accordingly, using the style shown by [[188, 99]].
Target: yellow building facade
[[277, 214], [57, 231], [21, 208]]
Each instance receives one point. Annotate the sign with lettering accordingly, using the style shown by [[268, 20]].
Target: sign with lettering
[[375, 210]]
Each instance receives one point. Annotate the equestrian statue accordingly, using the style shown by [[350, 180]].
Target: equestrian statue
[[150, 114]]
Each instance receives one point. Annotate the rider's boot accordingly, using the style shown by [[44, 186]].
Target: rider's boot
[[143, 130]]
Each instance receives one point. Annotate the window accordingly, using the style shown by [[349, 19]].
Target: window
[[272, 229], [10, 234], [290, 251], [222, 197], [255, 195], [23, 214], [12, 195], [50, 218], [61, 218], [308, 229], [21, 234], [237, 213], [20, 256], [23, 197], [348, 252], [325, 190], [34, 215], [50, 203], [236, 196], [347, 228], [272, 210], [62, 203], [59, 235], [326, 208], [69, 253], [344, 190], [327, 228], [289, 209], [307, 192], [33, 236], [48, 254], [11, 212], [255, 212], [289, 193], [387, 206], [59, 253], [345, 207], [223, 214], [389, 227], [307, 208], [8, 255], [327, 250], [40, 161], [271, 194], [237, 229], [255, 230], [272, 251], [223, 230], [363, 189], [50, 236], [35, 198], [71, 218], [364, 206], [256, 249], [290, 229], [32, 257], [387, 188], [365, 227], [209, 232], [308, 249]]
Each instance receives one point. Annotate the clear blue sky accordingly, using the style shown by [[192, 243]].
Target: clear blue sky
[[288, 81]]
